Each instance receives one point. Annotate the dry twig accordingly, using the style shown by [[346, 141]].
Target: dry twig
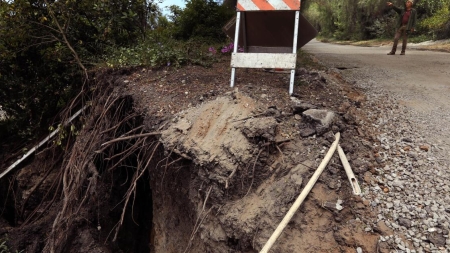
[[199, 221], [131, 137], [253, 174]]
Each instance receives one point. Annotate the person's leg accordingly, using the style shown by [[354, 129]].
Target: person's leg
[[396, 38], [405, 41]]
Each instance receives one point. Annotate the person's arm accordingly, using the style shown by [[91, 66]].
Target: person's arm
[[396, 9]]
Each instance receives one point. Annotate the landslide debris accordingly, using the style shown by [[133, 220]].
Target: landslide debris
[[175, 161]]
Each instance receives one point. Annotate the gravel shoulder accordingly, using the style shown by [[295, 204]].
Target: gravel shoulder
[[408, 99]]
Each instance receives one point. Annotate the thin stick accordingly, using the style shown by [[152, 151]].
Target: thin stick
[[199, 222], [131, 137], [40, 144], [253, 173], [301, 197], [132, 189], [176, 160], [282, 155], [63, 34], [206, 198]]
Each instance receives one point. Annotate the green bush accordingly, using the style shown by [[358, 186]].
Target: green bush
[[4, 248], [39, 73], [419, 38], [439, 24], [382, 27], [162, 50], [369, 19], [200, 19]]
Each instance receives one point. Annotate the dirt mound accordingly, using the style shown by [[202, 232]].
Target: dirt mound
[[245, 177], [173, 161]]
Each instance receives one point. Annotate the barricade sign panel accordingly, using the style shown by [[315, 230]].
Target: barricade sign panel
[[270, 32], [268, 5]]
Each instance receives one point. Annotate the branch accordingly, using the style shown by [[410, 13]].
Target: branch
[[63, 34], [131, 137]]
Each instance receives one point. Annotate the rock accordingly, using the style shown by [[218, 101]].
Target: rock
[[344, 106], [260, 127], [367, 177], [320, 130], [334, 205], [359, 166], [437, 239], [322, 117], [348, 147], [301, 107], [334, 184], [406, 139], [404, 222], [297, 179], [350, 118], [359, 250], [306, 132], [385, 190], [329, 136], [384, 247], [379, 160], [382, 229], [412, 154], [424, 147]]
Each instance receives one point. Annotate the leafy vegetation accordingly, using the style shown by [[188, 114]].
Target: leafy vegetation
[[48, 47], [4, 248], [370, 19], [438, 25]]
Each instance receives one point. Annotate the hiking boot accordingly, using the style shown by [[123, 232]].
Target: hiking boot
[[391, 53], [402, 53]]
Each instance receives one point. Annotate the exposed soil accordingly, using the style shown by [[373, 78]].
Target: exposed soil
[[208, 168]]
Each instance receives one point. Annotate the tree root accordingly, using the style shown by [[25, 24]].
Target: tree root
[[199, 220], [132, 189]]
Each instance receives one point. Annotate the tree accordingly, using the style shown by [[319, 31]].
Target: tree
[[367, 19], [200, 19], [43, 44]]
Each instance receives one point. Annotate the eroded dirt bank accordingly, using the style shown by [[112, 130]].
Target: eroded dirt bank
[[199, 167]]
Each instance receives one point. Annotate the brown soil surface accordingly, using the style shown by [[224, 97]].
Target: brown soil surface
[[227, 166]]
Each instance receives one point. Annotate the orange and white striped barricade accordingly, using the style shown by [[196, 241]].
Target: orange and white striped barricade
[[272, 56]]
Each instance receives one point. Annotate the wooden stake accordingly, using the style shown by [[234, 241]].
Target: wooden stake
[[301, 197]]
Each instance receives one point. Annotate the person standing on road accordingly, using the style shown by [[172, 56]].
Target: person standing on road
[[405, 25]]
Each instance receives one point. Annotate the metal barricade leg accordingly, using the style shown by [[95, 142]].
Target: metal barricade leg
[[291, 83], [235, 48], [294, 51]]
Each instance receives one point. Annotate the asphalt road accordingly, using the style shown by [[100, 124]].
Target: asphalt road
[[420, 79]]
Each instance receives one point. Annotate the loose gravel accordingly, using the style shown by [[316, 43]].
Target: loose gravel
[[411, 186]]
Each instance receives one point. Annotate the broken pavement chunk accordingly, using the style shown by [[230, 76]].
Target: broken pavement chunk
[[333, 205], [323, 117]]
